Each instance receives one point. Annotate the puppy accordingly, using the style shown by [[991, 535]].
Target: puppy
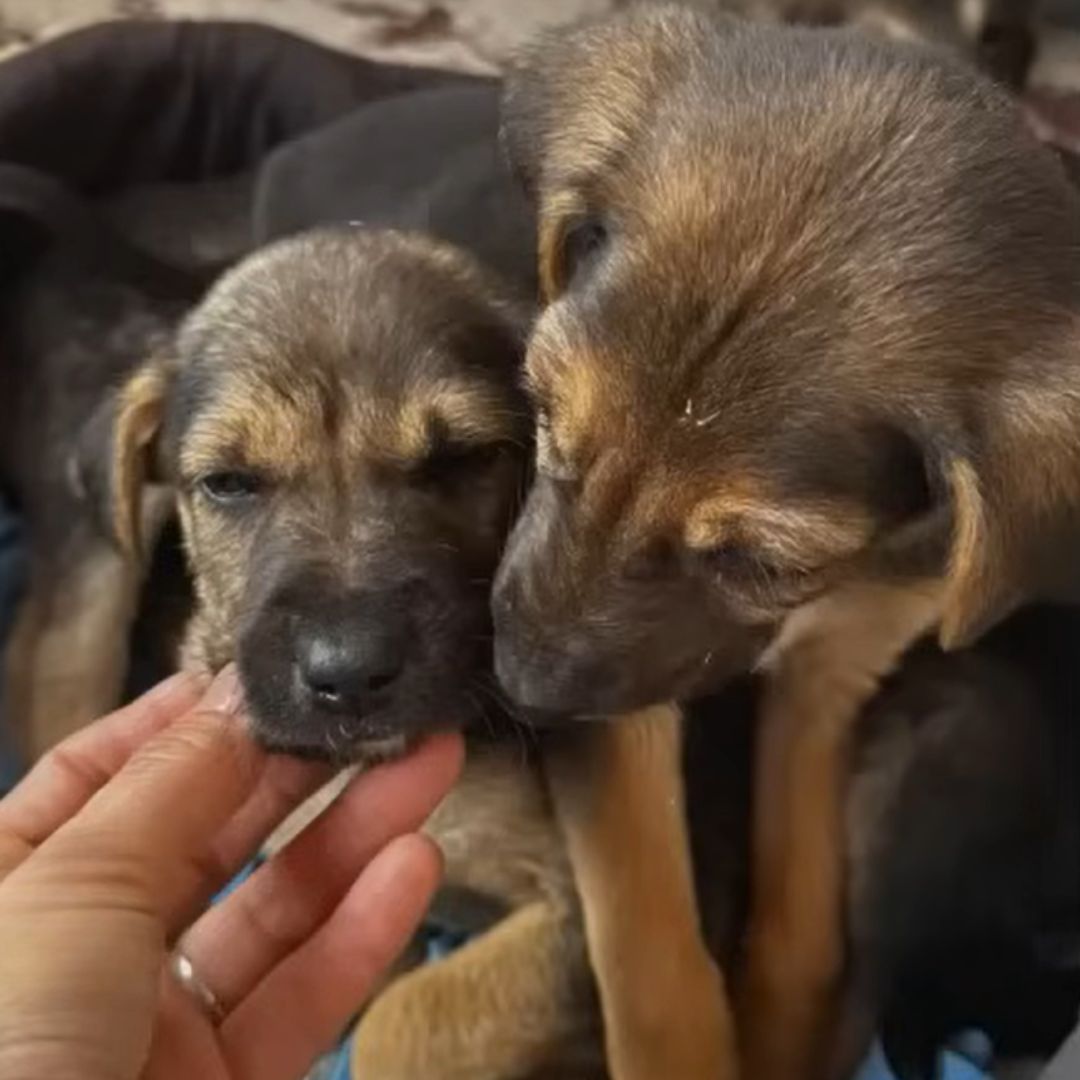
[[806, 389], [341, 427], [100, 620]]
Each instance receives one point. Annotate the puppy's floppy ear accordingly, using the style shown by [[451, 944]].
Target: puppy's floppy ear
[[116, 452], [1015, 513], [978, 587]]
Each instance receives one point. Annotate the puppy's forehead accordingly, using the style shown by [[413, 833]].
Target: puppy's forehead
[[368, 340], [803, 213]]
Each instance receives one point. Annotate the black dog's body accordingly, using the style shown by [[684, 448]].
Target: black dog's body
[[963, 829], [428, 162]]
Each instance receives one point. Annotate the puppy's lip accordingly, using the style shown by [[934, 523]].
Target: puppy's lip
[[359, 749], [363, 739]]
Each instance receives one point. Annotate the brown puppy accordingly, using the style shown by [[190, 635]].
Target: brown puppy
[[808, 386], [341, 426]]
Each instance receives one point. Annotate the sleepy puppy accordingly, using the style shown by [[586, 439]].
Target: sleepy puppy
[[807, 389], [341, 426]]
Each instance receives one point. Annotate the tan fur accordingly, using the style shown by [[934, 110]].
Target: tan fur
[[138, 418], [824, 666], [67, 655], [622, 811], [807, 536], [494, 1010], [514, 1002]]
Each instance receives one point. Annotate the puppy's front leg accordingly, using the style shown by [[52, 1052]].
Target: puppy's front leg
[[510, 1004], [619, 799], [65, 661], [826, 664]]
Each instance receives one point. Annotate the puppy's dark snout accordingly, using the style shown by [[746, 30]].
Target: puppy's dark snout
[[346, 658], [342, 673]]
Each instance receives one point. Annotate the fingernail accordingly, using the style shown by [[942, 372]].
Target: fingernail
[[183, 682], [225, 695]]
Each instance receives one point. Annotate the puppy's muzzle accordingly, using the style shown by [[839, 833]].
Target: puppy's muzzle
[[327, 670], [549, 679]]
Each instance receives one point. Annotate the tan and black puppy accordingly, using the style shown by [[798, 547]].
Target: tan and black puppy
[[345, 478], [342, 427], [808, 386]]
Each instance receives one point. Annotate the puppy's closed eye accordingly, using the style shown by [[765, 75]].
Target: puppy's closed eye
[[231, 487], [743, 566], [451, 460], [732, 562]]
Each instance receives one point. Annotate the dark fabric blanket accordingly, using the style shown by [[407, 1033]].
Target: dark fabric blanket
[[124, 103]]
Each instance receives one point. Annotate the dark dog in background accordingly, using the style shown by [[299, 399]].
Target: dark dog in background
[[92, 307], [807, 390]]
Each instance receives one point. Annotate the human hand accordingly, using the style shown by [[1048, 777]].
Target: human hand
[[118, 839]]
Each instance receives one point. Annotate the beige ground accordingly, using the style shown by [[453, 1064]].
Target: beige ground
[[470, 34], [473, 34]]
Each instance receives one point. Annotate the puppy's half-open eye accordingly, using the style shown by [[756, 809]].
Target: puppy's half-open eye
[[583, 243], [231, 487]]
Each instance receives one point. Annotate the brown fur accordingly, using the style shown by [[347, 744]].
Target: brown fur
[[621, 804], [823, 293], [364, 387]]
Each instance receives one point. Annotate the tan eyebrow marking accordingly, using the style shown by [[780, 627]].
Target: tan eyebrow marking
[[249, 425], [470, 411]]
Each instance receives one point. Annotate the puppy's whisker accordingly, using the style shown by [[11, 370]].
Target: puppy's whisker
[[480, 710]]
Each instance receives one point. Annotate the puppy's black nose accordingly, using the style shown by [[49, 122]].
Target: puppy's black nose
[[345, 666]]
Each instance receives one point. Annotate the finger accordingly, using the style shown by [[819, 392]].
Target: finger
[[237, 942], [65, 779], [144, 837], [320, 986], [284, 783]]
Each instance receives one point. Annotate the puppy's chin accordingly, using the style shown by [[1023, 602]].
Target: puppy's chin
[[364, 752], [389, 732]]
